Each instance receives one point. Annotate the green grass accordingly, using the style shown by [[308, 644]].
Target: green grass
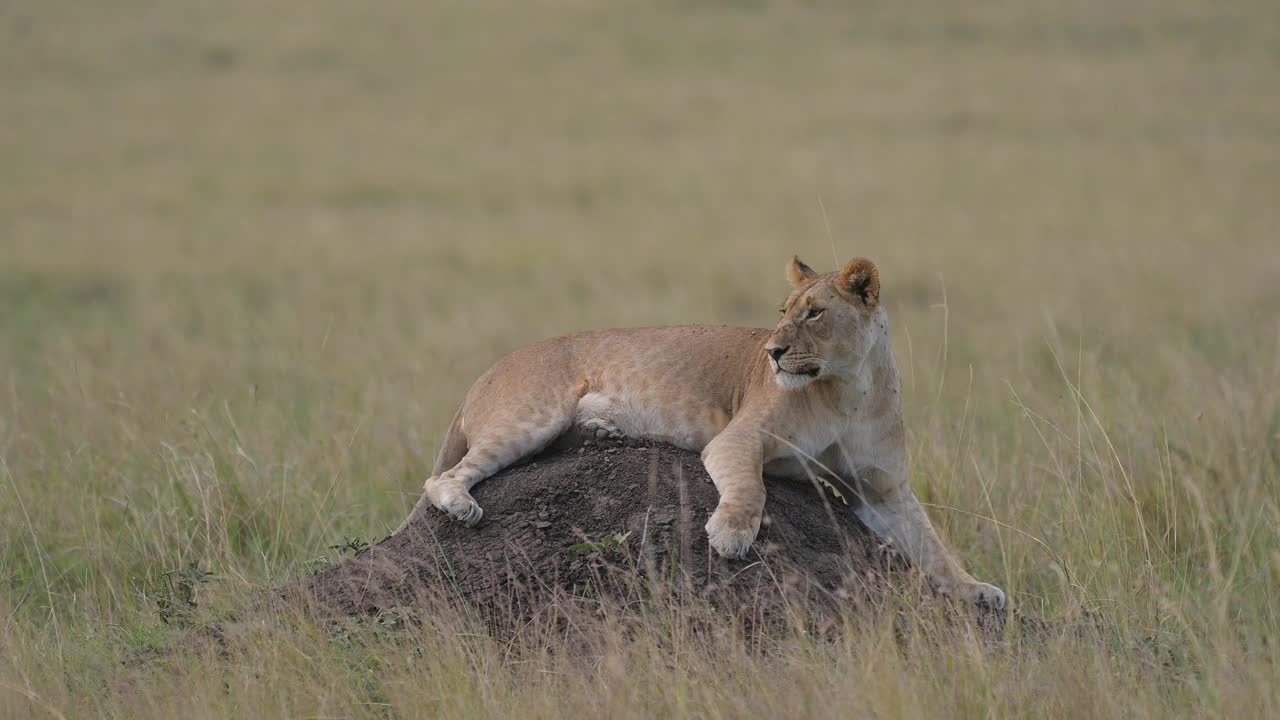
[[250, 259]]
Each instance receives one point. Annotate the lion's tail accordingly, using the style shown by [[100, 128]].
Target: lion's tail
[[453, 448], [451, 453]]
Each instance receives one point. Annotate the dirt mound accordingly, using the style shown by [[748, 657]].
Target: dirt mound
[[592, 520]]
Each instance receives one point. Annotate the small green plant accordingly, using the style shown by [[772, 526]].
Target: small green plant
[[396, 618], [355, 544], [606, 542], [176, 597], [315, 565]]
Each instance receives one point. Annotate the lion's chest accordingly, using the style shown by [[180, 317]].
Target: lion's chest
[[826, 446], [806, 440]]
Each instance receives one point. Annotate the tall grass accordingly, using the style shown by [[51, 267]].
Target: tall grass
[[249, 261]]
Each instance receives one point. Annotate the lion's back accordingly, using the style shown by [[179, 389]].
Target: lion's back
[[653, 375]]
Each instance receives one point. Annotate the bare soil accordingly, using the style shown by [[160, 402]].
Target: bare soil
[[609, 517]]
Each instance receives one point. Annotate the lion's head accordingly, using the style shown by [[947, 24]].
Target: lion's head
[[829, 323]]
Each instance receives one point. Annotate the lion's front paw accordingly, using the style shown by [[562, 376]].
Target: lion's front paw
[[732, 537], [980, 594]]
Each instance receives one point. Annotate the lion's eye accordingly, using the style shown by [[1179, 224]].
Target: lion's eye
[[814, 313], [782, 309]]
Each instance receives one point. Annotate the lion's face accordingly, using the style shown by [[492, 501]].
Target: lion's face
[[828, 323]]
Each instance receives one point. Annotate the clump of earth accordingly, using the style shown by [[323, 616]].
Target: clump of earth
[[604, 519]]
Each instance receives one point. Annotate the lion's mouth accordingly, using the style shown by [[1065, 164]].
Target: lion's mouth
[[795, 378], [807, 372]]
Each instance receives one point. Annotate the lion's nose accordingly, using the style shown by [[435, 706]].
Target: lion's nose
[[777, 352]]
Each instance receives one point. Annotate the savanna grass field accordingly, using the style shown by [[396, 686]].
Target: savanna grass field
[[252, 255]]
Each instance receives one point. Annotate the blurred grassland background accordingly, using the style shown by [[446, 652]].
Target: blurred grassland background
[[251, 256]]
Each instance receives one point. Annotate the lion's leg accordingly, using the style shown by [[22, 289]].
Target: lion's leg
[[496, 445], [734, 459], [891, 510]]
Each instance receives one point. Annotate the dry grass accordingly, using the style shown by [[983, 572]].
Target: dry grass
[[250, 257]]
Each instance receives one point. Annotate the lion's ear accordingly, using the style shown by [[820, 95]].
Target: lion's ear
[[861, 279], [799, 273]]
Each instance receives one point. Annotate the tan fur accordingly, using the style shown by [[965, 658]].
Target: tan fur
[[819, 393]]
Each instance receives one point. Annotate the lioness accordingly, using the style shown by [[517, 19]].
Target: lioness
[[818, 395]]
